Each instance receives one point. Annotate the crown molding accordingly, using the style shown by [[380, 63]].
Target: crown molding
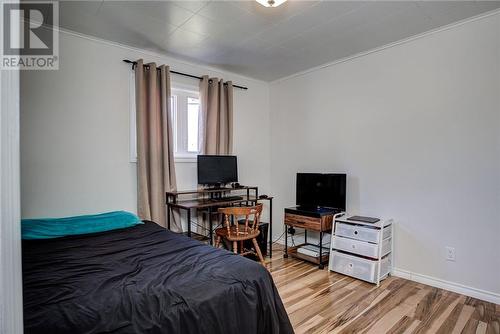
[[150, 53]]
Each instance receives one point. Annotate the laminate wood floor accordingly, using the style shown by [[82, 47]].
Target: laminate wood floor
[[319, 301]]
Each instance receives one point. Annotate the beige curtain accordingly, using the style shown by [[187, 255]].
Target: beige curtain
[[216, 126], [155, 160], [216, 123]]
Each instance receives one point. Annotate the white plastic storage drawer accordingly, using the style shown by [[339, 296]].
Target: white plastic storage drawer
[[358, 267], [359, 232], [361, 247]]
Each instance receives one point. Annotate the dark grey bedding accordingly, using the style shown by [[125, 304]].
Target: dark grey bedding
[[144, 279]]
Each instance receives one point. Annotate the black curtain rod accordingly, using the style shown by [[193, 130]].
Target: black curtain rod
[[134, 63]]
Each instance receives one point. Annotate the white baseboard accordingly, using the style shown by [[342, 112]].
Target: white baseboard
[[488, 296], [447, 285]]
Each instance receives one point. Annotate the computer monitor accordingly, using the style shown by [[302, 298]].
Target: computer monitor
[[217, 169]]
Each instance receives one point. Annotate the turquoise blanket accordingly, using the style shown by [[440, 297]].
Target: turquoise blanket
[[47, 228]]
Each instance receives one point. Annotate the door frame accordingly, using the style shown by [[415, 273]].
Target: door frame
[[11, 299]]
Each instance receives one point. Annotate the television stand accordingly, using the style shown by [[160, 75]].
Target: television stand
[[310, 219]]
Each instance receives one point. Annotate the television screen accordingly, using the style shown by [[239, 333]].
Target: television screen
[[217, 169], [321, 190]]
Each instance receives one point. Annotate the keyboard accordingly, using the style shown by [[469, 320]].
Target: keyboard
[[226, 199]]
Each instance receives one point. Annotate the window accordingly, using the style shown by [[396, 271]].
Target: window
[[185, 115]]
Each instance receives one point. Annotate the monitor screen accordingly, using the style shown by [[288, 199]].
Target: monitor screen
[[217, 169], [321, 190]]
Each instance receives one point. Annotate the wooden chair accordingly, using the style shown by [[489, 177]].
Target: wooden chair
[[234, 232]]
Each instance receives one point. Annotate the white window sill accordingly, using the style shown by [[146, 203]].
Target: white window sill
[[177, 159], [185, 159]]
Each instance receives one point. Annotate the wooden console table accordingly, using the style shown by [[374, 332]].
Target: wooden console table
[[318, 221], [211, 199]]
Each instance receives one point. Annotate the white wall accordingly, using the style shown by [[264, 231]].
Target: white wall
[[75, 130], [417, 129]]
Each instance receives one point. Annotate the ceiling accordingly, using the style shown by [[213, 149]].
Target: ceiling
[[263, 43]]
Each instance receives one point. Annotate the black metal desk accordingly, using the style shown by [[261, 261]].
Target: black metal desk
[[213, 198]]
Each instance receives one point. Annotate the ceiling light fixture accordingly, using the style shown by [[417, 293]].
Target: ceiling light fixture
[[270, 3]]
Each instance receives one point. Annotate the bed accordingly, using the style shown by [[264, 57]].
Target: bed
[[144, 279]]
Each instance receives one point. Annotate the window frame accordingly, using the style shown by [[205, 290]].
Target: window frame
[[182, 93]]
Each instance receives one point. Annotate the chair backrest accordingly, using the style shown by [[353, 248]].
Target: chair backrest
[[251, 214]]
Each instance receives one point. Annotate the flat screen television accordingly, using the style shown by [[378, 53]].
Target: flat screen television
[[217, 169], [321, 190]]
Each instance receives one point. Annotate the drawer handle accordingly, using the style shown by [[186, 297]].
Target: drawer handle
[[350, 265], [353, 246], [355, 232]]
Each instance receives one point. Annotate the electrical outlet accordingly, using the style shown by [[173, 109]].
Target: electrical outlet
[[450, 254]]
